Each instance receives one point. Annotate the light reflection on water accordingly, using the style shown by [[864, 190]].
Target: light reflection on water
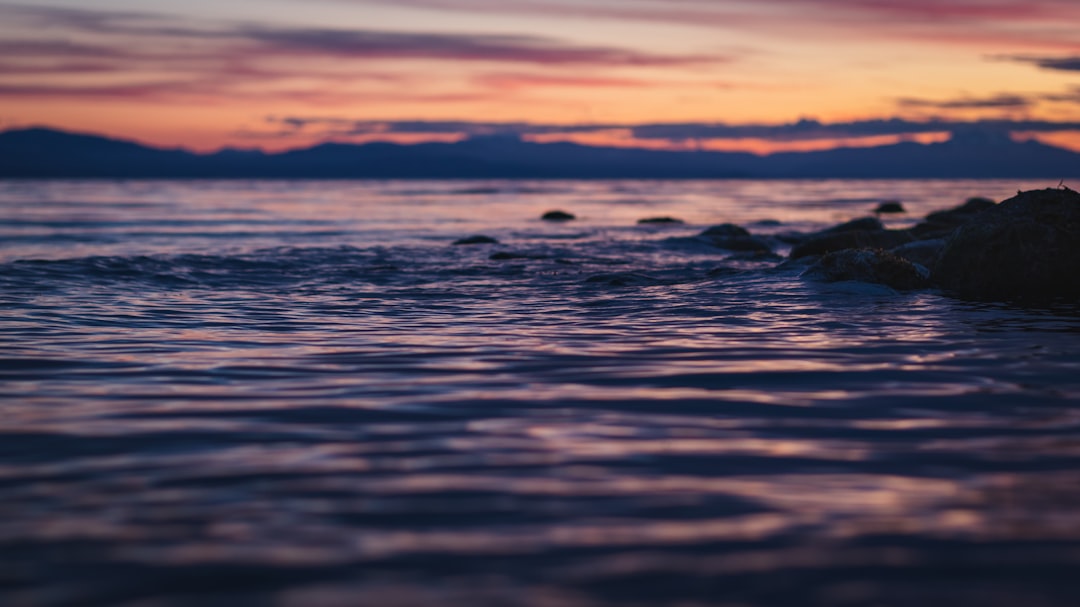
[[301, 394]]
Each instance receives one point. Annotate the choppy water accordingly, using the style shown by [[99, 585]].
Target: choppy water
[[274, 393]]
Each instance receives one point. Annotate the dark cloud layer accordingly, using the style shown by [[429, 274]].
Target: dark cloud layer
[[1002, 101], [1064, 64], [803, 130], [130, 33]]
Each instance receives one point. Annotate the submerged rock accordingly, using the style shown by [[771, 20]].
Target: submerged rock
[[726, 229], [509, 256], [942, 223], [735, 238], [478, 239], [659, 220], [557, 216], [962, 213], [849, 239], [741, 243], [862, 224], [1026, 248], [923, 252], [870, 265], [890, 206]]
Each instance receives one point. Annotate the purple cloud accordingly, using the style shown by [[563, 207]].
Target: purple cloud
[[1002, 101], [1064, 64], [803, 130]]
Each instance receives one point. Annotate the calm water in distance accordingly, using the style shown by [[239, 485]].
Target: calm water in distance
[[300, 393]]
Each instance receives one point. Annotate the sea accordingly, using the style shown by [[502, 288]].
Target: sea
[[303, 393]]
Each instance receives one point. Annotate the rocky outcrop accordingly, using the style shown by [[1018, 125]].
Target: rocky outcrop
[[735, 238], [741, 243], [869, 265], [660, 221], [1026, 248], [558, 216], [725, 229], [890, 206], [940, 224], [862, 224], [479, 239], [829, 242], [923, 252]]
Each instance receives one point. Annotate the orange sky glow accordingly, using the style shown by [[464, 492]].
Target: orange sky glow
[[759, 76]]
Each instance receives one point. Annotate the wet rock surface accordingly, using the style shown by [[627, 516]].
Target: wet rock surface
[[1026, 248], [862, 224], [741, 243], [558, 216], [829, 242], [725, 229], [660, 221], [923, 252], [473, 240], [940, 224], [890, 206], [869, 265]]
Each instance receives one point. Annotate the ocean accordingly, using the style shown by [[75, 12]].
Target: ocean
[[299, 393]]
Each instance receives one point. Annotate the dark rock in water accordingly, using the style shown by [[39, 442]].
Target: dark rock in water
[[792, 237], [1024, 249], [890, 206], [923, 252], [741, 243], [557, 216], [476, 240], [659, 220], [962, 213], [754, 256], [942, 223], [862, 224], [870, 265], [838, 241], [507, 256], [726, 229]]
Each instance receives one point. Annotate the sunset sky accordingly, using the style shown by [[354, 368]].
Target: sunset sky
[[726, 74]]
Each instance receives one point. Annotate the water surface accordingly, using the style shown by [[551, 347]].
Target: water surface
[[300, 393]]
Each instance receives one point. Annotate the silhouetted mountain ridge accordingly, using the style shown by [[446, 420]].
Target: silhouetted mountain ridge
[[47, 153]]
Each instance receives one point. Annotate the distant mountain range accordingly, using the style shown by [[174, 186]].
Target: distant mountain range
[[46, 153]]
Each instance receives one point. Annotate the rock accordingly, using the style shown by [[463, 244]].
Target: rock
[[507, 256], [942, 223], [838, 241], [1024, 249], [726, 229], [479, 239], [962, 213], [923, 252], [741, 243], [557, 216], [754, 256], [862, 224], [792, 237], [659, 220], [870, 265], [890, 206]]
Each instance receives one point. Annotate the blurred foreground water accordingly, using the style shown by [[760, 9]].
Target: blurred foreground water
[[301, 393]]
